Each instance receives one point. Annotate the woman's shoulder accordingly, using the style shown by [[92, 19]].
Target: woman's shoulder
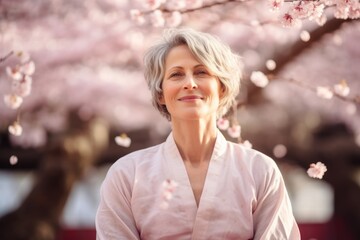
[[251, 157], [259, 167], [136, 157]]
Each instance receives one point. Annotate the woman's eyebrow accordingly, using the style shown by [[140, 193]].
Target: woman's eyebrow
[[180, 67], [174, 67]]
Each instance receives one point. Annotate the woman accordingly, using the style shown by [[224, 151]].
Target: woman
[[195, 185]]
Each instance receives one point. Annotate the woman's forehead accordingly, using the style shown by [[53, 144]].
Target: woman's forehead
[[181, 56]]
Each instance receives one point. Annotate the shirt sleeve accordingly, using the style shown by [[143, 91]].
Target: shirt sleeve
[[273, 217], [114, 218]]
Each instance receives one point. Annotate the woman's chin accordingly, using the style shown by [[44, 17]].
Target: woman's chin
[[193, 116]]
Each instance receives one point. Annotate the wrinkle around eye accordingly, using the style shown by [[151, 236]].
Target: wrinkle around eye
[[201, 70], [175, 76], [202, 74]]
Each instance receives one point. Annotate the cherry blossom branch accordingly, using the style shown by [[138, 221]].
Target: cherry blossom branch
[[325, 92], [6, 56], [209, 5], [284, 57], [340, 90], [162, 13], [21, 82], [201, 7]]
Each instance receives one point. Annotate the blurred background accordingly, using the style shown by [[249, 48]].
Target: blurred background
[[73, 97]]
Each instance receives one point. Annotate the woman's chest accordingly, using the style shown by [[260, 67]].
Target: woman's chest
[[225, 207], [197, 177]]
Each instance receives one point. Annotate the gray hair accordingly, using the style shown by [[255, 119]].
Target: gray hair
[[208, 49]]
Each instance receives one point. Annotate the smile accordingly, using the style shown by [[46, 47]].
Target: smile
[[190, 98]]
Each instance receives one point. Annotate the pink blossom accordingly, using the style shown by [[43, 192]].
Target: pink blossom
[[270, 64], [330, 2], [324, 92], [13, 160], [305, 36], [346, 3], [354, 11], [288, 20], [169, 186], [247, 144], [15, 129], [153, 4], [302, 9], [157, 18], [137, 16], [28, 68], [22, 88], [317, 11], [317, 170], [342, 89], [276, 4], [13, 101], [223, 123], [259, 79], [174, 19], [123, 140], [322, 20], [234, 131], [342, 12], [14, 73]]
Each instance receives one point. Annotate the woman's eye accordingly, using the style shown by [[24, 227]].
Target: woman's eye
[[201, 72], [175, 74]]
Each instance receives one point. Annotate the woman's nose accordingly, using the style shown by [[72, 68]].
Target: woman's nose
[[190, 82]]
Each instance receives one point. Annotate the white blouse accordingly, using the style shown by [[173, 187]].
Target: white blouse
[[244, 197]]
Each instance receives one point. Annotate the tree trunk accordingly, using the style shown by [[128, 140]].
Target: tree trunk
[[38, 217]]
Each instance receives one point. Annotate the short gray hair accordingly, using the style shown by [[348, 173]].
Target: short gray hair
[[208, 49]]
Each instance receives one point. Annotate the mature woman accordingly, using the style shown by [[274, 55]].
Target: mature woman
[[195, 185]]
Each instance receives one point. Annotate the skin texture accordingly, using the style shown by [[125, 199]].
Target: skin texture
[[191, 94]]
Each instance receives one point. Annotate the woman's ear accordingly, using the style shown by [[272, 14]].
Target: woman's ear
[[222, 90], [161, 99]]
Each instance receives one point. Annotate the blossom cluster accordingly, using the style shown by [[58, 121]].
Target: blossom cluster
[[20, 75], [163, 13], [21, 82], [341, 89], [233, 130], [315, 10]]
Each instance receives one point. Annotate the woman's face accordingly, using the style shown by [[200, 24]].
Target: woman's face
[[190, 91]]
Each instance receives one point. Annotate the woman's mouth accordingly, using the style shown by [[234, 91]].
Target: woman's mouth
[[190, 98]]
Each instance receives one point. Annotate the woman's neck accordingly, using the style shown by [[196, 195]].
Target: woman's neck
[[195, 139]]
